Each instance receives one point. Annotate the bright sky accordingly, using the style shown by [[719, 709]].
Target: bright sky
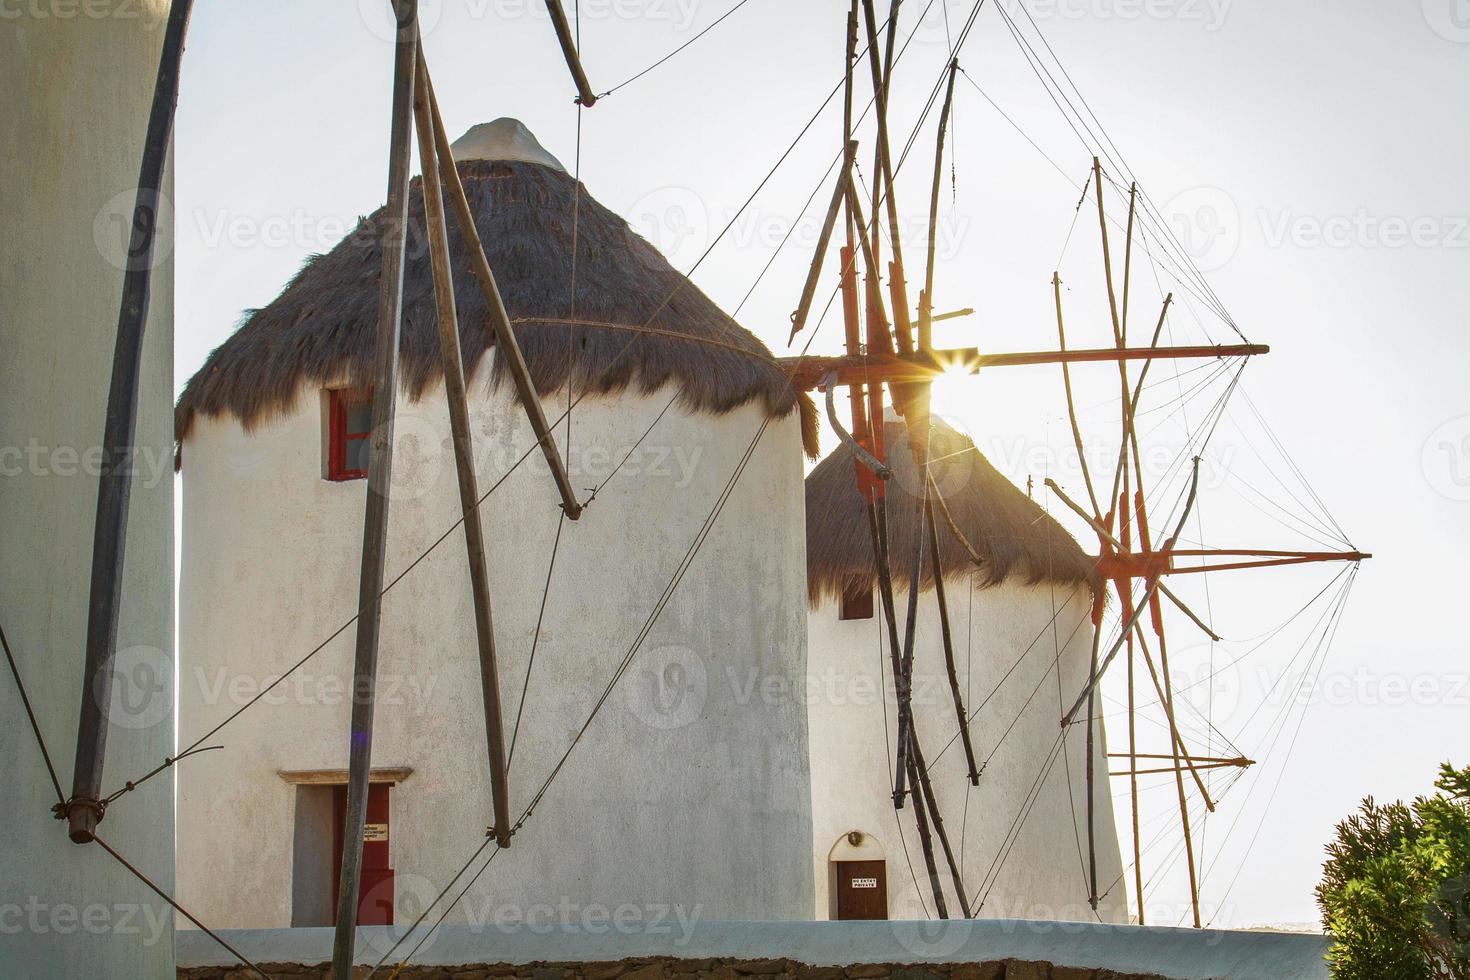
[[1311, 163]]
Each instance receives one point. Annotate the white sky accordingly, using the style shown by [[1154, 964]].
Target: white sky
[[1312, 160]]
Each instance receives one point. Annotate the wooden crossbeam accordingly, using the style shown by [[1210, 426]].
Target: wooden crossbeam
[[1155, 563], [807, 372], [1192, 765]]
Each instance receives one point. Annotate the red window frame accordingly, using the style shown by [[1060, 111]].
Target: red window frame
[[339, 436], [857, 598]]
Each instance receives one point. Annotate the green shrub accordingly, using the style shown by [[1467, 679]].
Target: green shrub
[[1394, 888]]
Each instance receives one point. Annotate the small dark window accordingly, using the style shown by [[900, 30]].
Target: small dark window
[[350, 427], [857, 598]]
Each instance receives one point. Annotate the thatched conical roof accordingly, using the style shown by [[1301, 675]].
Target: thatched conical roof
[[636, 322], [1014, 536]]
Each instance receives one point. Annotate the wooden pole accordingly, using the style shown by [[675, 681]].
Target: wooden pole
[[1102, 221], [947, 636], [1127, 585], [1226, 764], [1092, 774], [585, 95], [1179, 781], [809, 290], [114, 489], [507, 348], [464, 452], [1133, 788], [926, 298], [919, 447], [393, 234], [937, 822], [1103, 532], [926, 842], [1137, 612], [884, 178], [1056, 288], [1128, 258], [954, 527], [877, 519]]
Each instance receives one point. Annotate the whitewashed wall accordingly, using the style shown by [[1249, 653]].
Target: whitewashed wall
[[691, 788], [852, 719], [78, 88]]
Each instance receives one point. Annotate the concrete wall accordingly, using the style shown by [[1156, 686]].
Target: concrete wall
[[78, 81], [691, 787], [993, 949], [1020, 672]]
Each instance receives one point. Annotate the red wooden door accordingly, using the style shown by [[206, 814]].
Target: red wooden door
[[862, 890], [375, 893]]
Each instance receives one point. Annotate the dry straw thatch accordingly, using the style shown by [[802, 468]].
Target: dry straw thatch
[[1014, 536], [636, 322]]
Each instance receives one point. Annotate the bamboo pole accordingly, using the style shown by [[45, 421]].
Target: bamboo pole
[[393, 240], [919, 447], [921, 769], [1227, 764], [946, 635], [1128, 258], [926, 842], [119, 431], [884, 178], [1133, 787], [1056, 288], [464, 453], [926, 297], [585, 95], [507, 348], [1124, 531], [878, 532], [1138, 612], [1092, 774], [1166, 699], [1164, 590], [809, 289], [1179, 783], [1102, 221], [953, 525]]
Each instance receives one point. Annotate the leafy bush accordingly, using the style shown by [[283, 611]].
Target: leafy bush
[[1394, 887]]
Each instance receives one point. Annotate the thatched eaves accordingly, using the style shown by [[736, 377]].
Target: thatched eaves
[[635, 323], [1015, 537]]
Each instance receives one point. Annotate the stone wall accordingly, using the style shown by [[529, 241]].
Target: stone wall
[[684, 969]]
